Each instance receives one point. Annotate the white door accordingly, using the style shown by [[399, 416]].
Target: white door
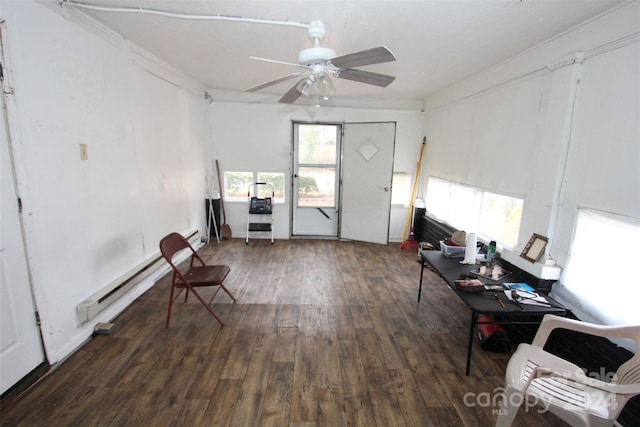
[[367, 172], [316, 168], [20, 343]]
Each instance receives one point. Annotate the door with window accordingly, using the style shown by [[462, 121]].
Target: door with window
[[342, 177], [367, 173], [316, 168]]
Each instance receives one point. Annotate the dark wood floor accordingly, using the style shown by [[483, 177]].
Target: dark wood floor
[[324, 333]]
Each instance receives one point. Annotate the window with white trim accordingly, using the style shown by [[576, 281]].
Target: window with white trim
[[401, 189], [500, 217], [493, 216], [598, 282], [236, 185]]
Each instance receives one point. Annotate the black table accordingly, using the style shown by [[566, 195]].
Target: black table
[[479, 302]]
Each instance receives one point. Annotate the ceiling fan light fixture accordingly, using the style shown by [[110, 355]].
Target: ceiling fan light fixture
[[304, 86], [325, 86], [321, 64]]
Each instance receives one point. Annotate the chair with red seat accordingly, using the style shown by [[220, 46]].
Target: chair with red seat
[[195, 276]]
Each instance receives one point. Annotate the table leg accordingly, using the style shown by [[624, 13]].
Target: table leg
[[472, 327], [421, 276]]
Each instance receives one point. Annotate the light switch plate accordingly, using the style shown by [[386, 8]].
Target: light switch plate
[[83, 152]]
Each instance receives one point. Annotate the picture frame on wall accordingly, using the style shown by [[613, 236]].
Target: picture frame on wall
[[534, 248]]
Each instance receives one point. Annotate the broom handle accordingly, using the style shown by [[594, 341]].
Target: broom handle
[[224, 213], [414, 191], [211, 213]]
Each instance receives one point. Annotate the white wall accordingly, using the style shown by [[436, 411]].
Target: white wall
[[603, 159], [558, 125], [87, 222], [250, 137]]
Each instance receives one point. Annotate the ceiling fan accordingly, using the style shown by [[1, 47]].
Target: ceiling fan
[[321, 63]]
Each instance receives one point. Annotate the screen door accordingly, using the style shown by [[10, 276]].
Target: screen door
[[316, 167]]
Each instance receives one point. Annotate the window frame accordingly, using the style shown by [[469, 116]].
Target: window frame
[[581, 283], [461, 213], [255, 178], [498, 238], [305, 160], [394, 189]]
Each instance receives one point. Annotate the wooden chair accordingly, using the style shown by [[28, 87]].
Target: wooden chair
[[195, 276], [543, 379]]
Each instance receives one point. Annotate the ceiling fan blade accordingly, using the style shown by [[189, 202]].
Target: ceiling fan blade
[[273, 82], [376, 55], [368, 77], [277, 62], [291, 96]]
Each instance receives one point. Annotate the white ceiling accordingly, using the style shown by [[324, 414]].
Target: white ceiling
[[436, 42]]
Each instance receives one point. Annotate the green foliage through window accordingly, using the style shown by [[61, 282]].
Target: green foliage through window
[[237, 185]]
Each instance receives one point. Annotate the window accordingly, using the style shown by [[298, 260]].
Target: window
[[277, 180], [500, 218], [401, 189], [455, 204], [598, 282], [316, 165], [493, 216], [316, 186], [237, 185]]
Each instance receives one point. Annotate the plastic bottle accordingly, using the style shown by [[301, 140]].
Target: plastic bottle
[[491, 252]]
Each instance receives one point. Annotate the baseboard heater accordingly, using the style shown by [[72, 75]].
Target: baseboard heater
[[93, 305]]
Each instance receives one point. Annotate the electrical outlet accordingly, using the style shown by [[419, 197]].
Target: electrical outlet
[[83, 152]]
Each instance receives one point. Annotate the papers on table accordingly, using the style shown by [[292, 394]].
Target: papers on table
[[524, 297], [519, 287]]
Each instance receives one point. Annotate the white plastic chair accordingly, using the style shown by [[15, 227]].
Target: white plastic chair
[[537, 378]]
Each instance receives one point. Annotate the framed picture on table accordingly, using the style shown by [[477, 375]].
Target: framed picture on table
[[534, 248]]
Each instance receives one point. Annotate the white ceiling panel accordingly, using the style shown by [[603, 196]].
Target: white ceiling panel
[[436, 43]]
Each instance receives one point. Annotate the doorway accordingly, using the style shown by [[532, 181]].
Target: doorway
[[341, 180], [21, 348], [316, 169]]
